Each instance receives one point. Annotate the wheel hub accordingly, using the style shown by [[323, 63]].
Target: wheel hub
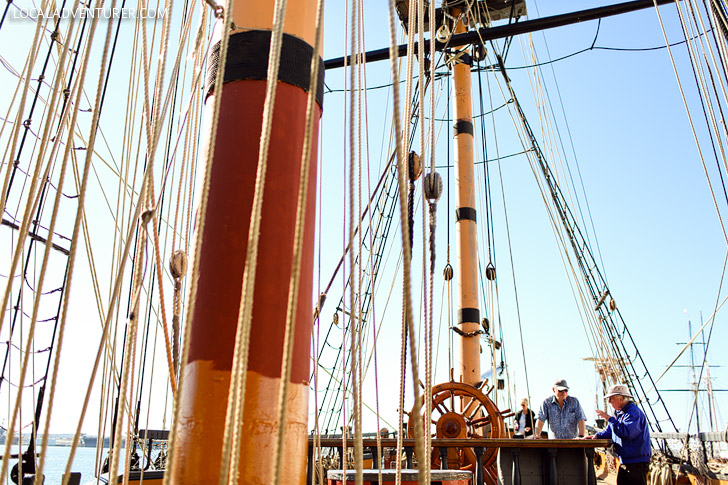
[[451, 425]]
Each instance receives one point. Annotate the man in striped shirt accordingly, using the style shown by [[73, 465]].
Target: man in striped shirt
[[563, 412]]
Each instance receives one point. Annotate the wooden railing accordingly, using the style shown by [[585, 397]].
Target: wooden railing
[[479, 445]]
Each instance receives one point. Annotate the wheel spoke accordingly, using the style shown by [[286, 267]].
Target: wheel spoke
[[475, 412], [480, 422], [470, 402]]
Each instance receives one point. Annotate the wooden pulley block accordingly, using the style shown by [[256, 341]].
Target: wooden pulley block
[[490, 272], [432, 185], [479, 53], [447, 273], [486, 325], [178, 264], [414, 163], [443, 33]]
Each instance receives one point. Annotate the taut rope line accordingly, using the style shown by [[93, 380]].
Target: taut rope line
[[306, 156]]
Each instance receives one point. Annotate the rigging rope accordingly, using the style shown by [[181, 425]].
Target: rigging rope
[[33, 195], [355, 283], [708, 112], [23, 231], [116, 285], [74, 238], [434, 181], [130, 345], [407, 306], [236, 401], [28, 119], [427, 328], [200, 223], [692, 126], [306, 162]]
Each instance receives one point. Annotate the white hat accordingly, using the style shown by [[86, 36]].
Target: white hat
[[618, 390]]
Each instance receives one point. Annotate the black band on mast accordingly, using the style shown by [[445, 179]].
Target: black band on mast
[[468, 315], [462, 126], [247, 59], [465, 213]]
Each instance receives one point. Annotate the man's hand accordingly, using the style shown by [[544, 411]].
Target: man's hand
[[527, 430], [590, 437], [539, 427], [602, 414]]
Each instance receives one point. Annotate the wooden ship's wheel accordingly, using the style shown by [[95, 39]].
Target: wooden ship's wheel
[[463, 411]]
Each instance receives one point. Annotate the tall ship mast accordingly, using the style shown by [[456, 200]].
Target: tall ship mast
[[249, 351], [468, 369]]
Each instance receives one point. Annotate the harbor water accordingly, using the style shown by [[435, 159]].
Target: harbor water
[[84, 462]]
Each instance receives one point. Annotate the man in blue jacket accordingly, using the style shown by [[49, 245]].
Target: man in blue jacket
[[630, 434]]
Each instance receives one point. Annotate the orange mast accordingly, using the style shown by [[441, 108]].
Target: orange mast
[[467, 369], [207, 370]]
